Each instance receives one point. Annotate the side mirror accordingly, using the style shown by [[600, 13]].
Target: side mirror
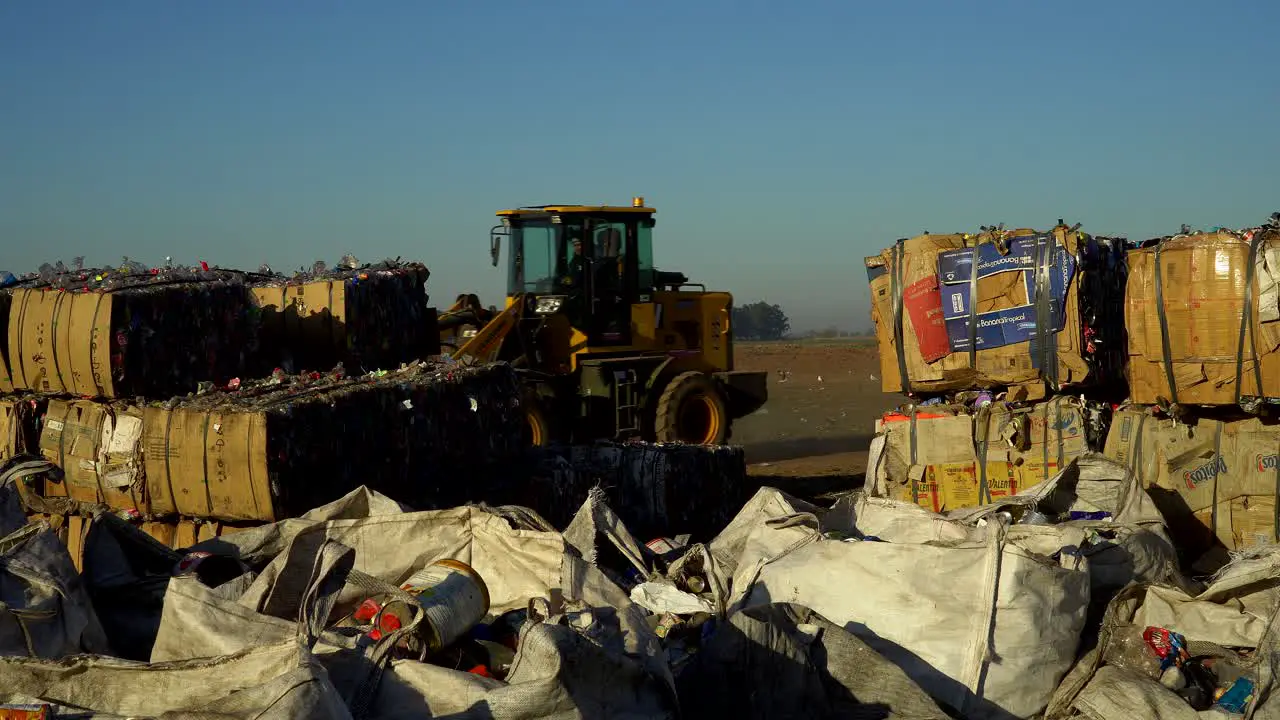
[[495, 244]]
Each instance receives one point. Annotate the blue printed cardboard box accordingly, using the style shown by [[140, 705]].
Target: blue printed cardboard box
[[1008, 326]]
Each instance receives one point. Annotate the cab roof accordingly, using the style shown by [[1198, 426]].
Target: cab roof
[[575, 210]]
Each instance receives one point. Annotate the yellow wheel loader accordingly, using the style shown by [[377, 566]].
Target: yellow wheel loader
[[607, 346]]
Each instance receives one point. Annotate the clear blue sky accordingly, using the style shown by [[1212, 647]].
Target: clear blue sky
[[781, 142]]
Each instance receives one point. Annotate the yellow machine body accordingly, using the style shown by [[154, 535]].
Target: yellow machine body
[[610, 347]]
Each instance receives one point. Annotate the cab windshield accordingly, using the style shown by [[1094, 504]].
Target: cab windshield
[[545, 255], [537, 258]]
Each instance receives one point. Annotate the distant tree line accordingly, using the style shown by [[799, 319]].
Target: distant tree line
[[832, 332], [760, 321], [765, 321]]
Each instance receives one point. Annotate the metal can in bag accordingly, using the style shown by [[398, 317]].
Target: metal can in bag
[[453, 598]]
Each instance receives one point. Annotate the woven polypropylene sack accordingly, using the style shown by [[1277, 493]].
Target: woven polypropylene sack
[[44, 609], [516, 565], [796, 665], [987, 626], [277, 680], [1238, 610]]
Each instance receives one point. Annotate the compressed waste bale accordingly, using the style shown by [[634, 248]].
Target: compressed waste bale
[[1203, 311], [129, 334], [1031, 325], [944, 457], [1232, 622], [369, 317], [655, 488], [1216, 481], [271, 449], [985, 619], [20, 425], [98, 446], [8, 284]]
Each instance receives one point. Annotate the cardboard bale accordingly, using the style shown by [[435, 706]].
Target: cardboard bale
[[275, 449], [98, 446], [6, 375], [654, 488], [1204, 323], [1065, 281], [1216, 481], [366, 318], [944, 458], [11, 284], [126, 335], [19, 425]]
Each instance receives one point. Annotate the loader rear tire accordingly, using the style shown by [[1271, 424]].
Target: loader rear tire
[[691, 410], [537, 429]]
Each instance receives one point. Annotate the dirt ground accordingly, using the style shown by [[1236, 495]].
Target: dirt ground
[[812, 436]]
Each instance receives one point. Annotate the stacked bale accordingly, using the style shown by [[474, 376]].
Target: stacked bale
[[122, 334], [1203, 314], [160, 394], [1204, 319], [652, 487], [944, 457], [20, 424], [1192, 320], [1215, 480], [176, 534], [1043, 321], [989, 357], [368, 317], [272, 449]]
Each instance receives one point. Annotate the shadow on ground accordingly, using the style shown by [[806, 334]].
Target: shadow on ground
[[794, 448], [817, 489]]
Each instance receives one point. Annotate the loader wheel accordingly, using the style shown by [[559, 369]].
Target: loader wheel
[[691, 410], [537, 430]]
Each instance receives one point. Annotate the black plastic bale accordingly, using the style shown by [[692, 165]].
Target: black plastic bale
[[1103, 274], [423, 435], [110, 334], [656, 489], [367, 318]]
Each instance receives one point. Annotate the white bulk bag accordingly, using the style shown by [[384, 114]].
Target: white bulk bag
[[981, 618], [45, 611], [278, 680], [517, 566], [1238, 610]]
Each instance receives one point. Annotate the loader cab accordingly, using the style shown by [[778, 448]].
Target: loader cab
[[589, 263]]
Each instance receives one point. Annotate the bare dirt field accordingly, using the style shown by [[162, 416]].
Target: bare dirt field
[[812, 436]]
